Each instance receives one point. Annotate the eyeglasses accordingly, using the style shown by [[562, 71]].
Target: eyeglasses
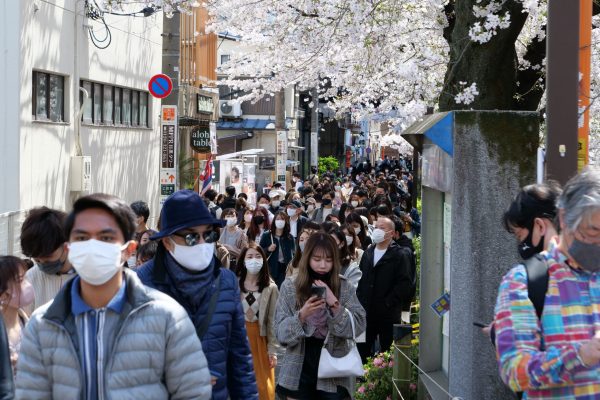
[[192, 239]]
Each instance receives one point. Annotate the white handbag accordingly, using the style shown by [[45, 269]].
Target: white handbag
[[349, 365]]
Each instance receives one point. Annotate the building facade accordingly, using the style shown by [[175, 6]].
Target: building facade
[[51, 50]]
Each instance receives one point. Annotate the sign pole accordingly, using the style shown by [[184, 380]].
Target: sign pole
[[585, 65], [563, 89]]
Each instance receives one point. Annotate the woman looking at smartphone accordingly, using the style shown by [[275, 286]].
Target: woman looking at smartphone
[[259, 296], [303, 320]]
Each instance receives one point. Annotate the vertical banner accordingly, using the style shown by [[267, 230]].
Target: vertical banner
[[168, 152], [585, 60], [213, 137], [281, 157], [314, 149]]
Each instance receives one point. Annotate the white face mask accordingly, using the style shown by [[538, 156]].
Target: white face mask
[[248, 218], [195, 258], [349, 240], [302, 245], [318, 205], [378, 235], [291, 212], [23, 297], [95, 261], [231, 221], [279, 224], [263, 205], [357, 229], [253, 265], [276, 203], [310, 207], [354, 203], [338, 188]]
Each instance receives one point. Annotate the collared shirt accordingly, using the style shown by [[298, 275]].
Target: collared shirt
[[542, 357], [96, 330]]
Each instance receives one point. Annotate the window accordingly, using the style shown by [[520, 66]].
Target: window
[[87, 110], [112, 105], [225, 58], [97, 103], [117, 106], [48, 97], [126, 107], [135, 111], [144, 109], [108, 105]]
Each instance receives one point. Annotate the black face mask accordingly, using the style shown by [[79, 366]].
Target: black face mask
[[52, 267], [526, 247], [326, 202], [259, 220], [317, 276]]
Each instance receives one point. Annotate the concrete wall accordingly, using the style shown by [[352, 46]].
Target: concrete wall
[[124, 160], [494, 155]]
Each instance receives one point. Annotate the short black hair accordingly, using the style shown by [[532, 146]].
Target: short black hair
[[230, 190], [533, 201], [43, 232], [141, 209], [123, 214], [210, 194], [243, 195]]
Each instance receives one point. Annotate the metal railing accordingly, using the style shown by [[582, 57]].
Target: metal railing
[[10, 229]]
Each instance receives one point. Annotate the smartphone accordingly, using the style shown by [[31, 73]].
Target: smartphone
[[480, 325], [318, 291]]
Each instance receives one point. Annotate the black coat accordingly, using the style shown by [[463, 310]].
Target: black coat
[[386, 288], [7, 387]]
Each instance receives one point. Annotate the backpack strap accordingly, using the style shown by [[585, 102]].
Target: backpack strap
[[537, 282]]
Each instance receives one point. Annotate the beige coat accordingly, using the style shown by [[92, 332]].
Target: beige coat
[[266, 315]]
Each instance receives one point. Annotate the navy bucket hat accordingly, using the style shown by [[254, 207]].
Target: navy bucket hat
[[184, 209]]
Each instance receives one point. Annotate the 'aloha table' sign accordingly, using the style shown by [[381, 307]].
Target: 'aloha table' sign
[[200, 139]]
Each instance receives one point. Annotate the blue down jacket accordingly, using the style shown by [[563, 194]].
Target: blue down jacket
[[225, 343]]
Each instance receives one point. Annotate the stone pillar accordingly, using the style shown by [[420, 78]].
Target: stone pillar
[[494, 155]]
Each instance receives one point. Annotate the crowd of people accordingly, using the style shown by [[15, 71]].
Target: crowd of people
[[218, 297]]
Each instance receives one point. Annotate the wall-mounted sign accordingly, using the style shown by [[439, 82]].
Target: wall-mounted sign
[[200, 139], [168, 159], [204, 104], [168, 146]]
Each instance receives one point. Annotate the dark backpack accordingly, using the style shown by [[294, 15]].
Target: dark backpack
[[537, 282]]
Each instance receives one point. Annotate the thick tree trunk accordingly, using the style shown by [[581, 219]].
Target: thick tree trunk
[[492, 66]]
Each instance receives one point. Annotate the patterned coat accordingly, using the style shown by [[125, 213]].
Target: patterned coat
[[291, 333]]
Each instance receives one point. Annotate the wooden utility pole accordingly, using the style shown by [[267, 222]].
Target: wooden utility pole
[[562, 89]]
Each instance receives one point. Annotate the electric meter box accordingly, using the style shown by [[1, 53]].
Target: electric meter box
[[81, 173]]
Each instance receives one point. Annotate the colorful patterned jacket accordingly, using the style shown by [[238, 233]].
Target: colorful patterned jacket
[[540, 357]]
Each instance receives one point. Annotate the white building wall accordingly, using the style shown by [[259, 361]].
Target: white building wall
[[10, 21], [125, 161]]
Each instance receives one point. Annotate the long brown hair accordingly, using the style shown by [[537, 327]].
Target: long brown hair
[[264, 278], [10, 272], [317, 242]]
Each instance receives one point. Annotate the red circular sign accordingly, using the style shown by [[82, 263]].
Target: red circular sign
[[160, 86]]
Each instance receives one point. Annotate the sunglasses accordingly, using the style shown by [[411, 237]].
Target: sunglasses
[[192, 239]]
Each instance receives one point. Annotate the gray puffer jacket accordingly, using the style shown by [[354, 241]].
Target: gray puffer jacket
[[156, 352]]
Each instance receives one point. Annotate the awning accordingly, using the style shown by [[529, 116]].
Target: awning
[[247, 124], [436, 127]]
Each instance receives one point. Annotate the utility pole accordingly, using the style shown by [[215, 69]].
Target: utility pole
[[563, 89]]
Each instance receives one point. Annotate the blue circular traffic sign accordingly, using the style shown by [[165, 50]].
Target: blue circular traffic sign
[[160, 86]]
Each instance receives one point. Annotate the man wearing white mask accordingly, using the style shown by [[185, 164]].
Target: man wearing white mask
[[386, 285], [106, 335], [297, 220], [185, 268]]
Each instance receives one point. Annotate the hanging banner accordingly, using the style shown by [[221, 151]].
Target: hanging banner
[[168, 148], [585, 61], [213, 137], [281, 157]]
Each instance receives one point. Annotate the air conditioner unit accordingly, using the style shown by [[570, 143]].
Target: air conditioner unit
[[228, 108]]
